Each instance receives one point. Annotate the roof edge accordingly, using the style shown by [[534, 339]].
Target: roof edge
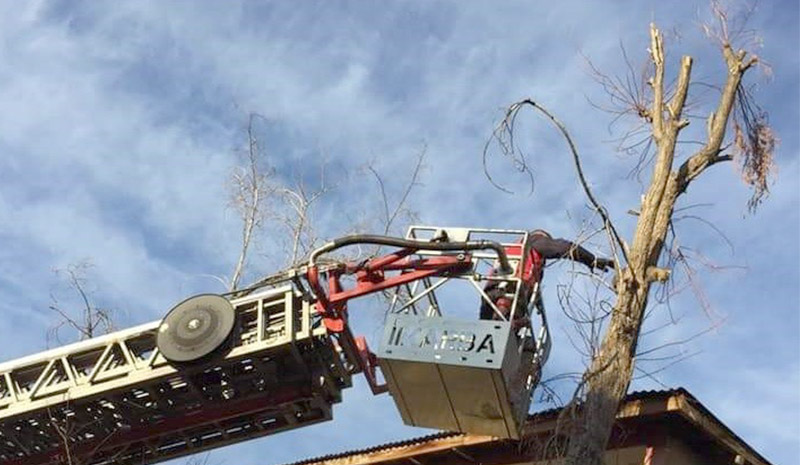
[[696, 413], [636, 404]]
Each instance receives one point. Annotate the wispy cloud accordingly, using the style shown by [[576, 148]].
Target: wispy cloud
[[120, 123]]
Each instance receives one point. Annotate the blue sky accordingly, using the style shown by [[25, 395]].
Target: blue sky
[[120, 123]]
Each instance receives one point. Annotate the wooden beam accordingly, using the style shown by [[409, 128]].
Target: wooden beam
[[410, 451]]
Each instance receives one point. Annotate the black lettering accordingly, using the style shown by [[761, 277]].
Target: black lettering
[[471, 345], [486, 344], [425, 340], [394, 337]]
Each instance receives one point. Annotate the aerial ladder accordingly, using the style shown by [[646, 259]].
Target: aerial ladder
[[220, 369]]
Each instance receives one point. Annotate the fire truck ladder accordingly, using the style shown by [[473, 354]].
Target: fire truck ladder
[[115, 399], [277, 355]]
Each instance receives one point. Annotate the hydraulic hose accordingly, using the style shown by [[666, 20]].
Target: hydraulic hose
[[505, 267]]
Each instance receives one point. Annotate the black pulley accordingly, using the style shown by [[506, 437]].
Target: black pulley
[[195, 328]]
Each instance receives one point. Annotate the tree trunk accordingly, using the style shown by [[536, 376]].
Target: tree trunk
[[611, 371], [609, 376]]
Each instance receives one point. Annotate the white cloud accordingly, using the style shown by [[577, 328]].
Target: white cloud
[[118, 126]]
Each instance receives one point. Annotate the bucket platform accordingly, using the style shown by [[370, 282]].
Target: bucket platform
[[467, 375], [456, 375]]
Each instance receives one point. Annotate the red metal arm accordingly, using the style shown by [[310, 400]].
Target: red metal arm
[[388, 271], [372, 277]]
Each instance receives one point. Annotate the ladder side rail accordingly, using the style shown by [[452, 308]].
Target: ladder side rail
[[113, 369], [165, 432], [103, 340]]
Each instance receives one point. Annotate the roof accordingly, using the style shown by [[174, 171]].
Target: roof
[[674, 405]]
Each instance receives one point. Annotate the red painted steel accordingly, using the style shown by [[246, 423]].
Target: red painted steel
[[371, 277]]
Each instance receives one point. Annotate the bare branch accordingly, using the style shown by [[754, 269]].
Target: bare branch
[[657, 82], [93, 319], [389, 217], [754, 145], [757, 147], [505, 139], [250, 188], [297, 220]]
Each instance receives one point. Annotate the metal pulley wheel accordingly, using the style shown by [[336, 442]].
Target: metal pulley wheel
[[195, 328]]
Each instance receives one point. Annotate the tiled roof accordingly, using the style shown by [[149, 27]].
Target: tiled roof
[[380, 448], [537, 416]]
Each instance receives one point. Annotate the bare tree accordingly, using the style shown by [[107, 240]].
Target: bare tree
[[250, 188], [283, 204], [646, 260], [89, 319], [400, 211], [296, 216], [262, 200]]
